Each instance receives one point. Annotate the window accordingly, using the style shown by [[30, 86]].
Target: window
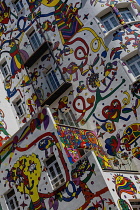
[[12, 200], [126, 14], [109, 21], [83, 151], [5, 69], [68, 118], [134, 64], [34, 40], [135, 204], [52, 80], [19, 107], [54, 172], [18, 5]]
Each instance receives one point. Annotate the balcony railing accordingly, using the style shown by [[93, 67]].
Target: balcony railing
[[56, 85], [37, 54]]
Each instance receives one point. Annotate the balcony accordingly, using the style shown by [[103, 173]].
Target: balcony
[[58, 92], [37, 54], [55, 85]]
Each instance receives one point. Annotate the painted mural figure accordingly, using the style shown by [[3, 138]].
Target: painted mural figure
[[94, 81], [18, 58], [124, 185], [66, 18], [26, 174], [30, 106], [3, 128]]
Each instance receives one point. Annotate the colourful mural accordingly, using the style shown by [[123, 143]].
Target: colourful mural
[[75, 139], [103, 100]]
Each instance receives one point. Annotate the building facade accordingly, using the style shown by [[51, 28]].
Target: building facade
[[70, 97]]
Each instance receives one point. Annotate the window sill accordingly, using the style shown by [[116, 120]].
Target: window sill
[[56, 188], [21, 117], [6, 77], [119, 27]]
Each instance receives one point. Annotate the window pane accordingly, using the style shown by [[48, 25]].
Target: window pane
[[52, 82], [50, 160], [130, 16], [18, 7], [5, 69], [16, 202], [55, 77], [57, 168], [124, 17], [134, 64], [138, 63], [35, 42], [20, 110], [114, 22], [126, 14], [52, 172], [109, 21], [12, 204], [10, 194], [135, 70], [21, 4], [107, 25]]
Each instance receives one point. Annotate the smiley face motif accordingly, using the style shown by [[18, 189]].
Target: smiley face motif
[[113, 111]]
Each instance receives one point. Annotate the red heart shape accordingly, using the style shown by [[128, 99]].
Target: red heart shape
[[113, 111]]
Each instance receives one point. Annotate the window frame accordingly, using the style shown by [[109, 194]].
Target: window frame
[[3, 67], [37, 42], [19, 107], [18, 5], [12, 198], [107, 18], [68, 115], [135, 203], [126, 12], [134, 64], [55, 176], [52, 81]]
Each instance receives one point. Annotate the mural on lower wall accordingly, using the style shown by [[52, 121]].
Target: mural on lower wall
[[125, 188], [23, 169], [26, 173]]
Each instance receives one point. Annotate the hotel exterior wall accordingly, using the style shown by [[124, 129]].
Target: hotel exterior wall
[[94, 61]]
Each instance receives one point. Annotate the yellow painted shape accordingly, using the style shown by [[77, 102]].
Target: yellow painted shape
[[52, 4]]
